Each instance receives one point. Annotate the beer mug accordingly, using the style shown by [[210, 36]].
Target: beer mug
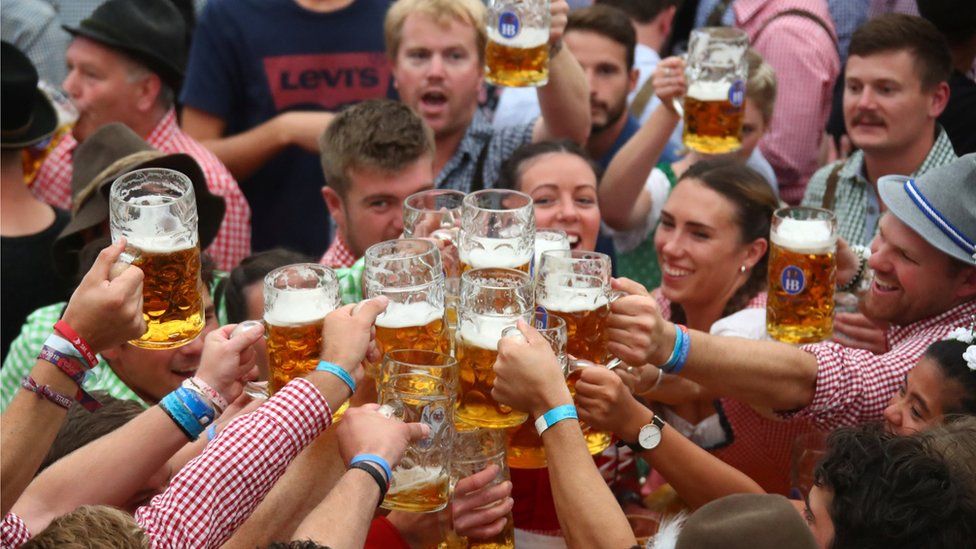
[[155, 210], [429, 363], [497, 230], [421, 481], [575, 285], [474, 450], [517, 53], [545, 240], [491, 300], [802, 269], [297, 299], [436, 213], [525, 449], [409, 273], [717, 72]]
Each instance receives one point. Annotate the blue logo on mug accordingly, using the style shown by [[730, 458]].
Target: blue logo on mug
[[737, 93], [792, 280], [508, 24]]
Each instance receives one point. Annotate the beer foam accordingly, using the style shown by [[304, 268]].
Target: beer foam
[[160, 244], [573, 300], [809, 237], [405, 480], [484, 331], [403, 315], [709, 91], [295, 307], [495, 252], [526, 38], [546, 244]]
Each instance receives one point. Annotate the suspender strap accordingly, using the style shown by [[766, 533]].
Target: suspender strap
[[797, 13], [830, 191], [478, 181]]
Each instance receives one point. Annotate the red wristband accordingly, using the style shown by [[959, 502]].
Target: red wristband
[[77, 342], [45, 391]]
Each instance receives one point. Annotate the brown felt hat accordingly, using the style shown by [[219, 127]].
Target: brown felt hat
[[746, 521]]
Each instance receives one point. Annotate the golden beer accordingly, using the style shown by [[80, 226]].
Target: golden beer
[[418, 490], [292, 351], [586, 330], [802, 270], [713, 125], [516, 66], [596, 441], [476, 356], [418, 326], [172, 302], [503, 540]]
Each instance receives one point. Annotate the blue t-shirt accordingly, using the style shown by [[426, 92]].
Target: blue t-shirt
[[254, 59]]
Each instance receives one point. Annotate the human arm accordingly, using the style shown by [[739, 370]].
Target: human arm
[[528, 378], [698, 477], [761, 373], [564, 100], [244, 153], [621, 192], [104, 312]]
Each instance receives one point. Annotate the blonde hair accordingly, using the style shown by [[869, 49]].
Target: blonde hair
[[761, 87], [468, 12], [91, 527]]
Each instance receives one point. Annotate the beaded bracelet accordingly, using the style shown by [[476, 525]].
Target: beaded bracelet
[[77, 342], [45, 391]]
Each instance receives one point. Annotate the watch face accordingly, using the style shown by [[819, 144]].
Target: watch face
[[649, 437]]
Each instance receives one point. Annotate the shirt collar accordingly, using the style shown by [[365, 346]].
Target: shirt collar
[[745, 10], [164, 130], [338, 255], [941, 149]]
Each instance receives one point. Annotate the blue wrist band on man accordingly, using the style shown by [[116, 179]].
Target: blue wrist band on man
[[554, 416], [337, 371], [373, 458]]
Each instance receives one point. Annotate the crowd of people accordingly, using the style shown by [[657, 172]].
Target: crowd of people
[[304, 125]]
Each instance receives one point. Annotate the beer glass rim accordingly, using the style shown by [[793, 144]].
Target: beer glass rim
[[813, 214], [578, 255], [524, 280], [408, 203], [394, 355], [724, 34], [556, 321], [121, 185], [471, 200], [550, 231], [328, 274], [372, 253]]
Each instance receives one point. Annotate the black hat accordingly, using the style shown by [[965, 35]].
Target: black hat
[[28, 116], [151, 31]]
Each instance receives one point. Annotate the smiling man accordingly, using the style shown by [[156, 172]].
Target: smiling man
[[895, 89]]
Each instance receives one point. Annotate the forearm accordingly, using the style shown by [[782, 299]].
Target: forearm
[[29, 427], [109, 471], [564, 101], [589, 516], [676, 390], [625, 176], [246, 152], [342, 519]]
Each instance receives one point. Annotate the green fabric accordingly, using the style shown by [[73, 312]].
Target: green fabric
[[351, 281], [640, 264]]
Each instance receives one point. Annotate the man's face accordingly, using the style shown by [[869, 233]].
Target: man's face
[[604, 62], [372, 210], [885, 108], [912, 279], [101, 88], [438, 72], [152, 374]]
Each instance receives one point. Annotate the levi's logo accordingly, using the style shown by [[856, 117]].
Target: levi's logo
[[328, 80]]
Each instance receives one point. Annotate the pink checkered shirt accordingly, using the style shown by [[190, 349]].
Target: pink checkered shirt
[[854, 385], [338, 255], [233, 241], [213, 494], [806, 62]]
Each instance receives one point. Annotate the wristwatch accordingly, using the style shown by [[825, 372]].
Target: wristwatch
[[649, 435]]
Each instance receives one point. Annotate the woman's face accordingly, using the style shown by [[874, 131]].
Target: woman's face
[[563, 187], [698, 246], [753, 128], [922, 400], [254, 300]]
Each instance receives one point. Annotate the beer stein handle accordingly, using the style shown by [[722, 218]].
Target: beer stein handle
[[513, 332]]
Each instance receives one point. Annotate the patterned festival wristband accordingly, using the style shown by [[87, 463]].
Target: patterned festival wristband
[[337, 371], [181, 415], [46, 392], [201, 409], [77, 373], [196, 384], [77, 342], [63, 346], [554, 416]]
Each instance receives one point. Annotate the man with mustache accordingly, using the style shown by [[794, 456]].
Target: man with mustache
[[895, 88]]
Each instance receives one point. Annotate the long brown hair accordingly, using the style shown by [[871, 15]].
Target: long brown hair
[[754, 204]]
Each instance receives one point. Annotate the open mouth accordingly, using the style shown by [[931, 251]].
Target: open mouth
[[433, 99], [675, 272], [881, 287], [574, 241]]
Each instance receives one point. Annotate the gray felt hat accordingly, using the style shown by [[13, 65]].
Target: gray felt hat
[[940, 205]]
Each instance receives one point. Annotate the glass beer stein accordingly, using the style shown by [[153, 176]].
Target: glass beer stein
[[546, 240], [297, 299], [802, 270], [474, 450], [517, 53], [497, 230], [155, 210], [491, 300], [436, 213], [717, 73]]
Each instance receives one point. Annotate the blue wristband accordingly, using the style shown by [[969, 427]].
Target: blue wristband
[[181, 416], [554, 416], [338, 372], [685, 347], [373, 458], [200, 408], [678, 336]]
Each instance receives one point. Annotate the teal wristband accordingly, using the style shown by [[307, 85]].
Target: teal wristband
[[676, 352], [554, 416], [181, 415], [373, 458], [338, 372]]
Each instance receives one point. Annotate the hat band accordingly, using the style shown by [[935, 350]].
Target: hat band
[[943, 224], [16, 132]]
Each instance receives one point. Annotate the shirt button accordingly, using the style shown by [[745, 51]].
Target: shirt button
[[872, 210]]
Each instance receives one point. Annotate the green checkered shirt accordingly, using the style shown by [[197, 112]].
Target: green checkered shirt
[[855, 203], [23, 355]]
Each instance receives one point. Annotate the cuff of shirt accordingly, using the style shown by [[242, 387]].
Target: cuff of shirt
[[300, 405], [13, 532]]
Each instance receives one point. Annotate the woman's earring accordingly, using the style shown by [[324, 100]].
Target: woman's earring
[[742, 269]]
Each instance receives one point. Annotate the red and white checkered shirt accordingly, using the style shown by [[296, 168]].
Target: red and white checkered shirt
[[338, 255], [806, 62], [213, 494], [233, 241], [854, 385]]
